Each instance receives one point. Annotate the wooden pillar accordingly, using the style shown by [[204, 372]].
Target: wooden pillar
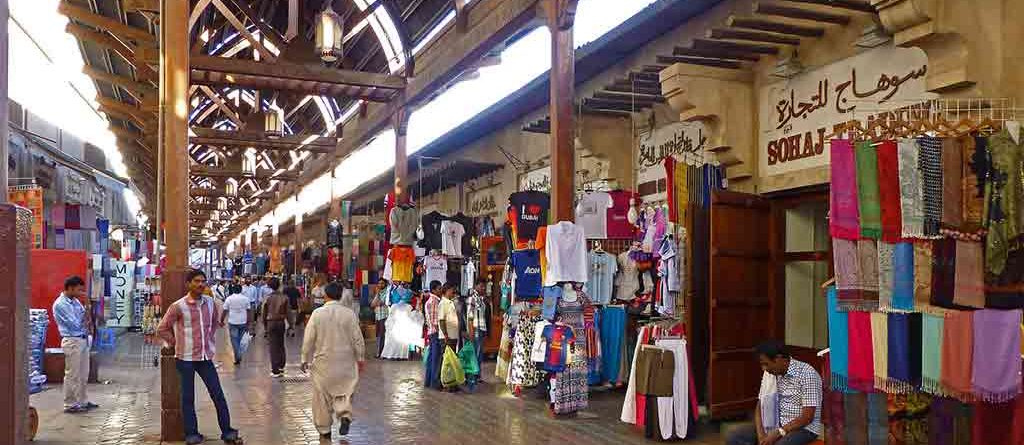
[[560, 15], [400, 120], [297, 254], [4, 129], [174, 76]]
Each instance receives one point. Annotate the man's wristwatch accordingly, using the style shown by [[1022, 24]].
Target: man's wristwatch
[[782, 432]]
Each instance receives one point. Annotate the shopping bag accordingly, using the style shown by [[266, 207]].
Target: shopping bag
[[426, 354], [467, 357], [244, 342], [451, 370]]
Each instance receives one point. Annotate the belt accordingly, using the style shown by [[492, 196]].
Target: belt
[[84, 337]]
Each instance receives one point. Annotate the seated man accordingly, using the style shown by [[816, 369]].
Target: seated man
[[798, 388]]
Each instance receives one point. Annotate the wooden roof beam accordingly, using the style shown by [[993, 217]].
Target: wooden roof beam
[[618, 95], [715, 54], [702, 61], [141, 5], [216, 172], [116, 113], [753, 36], [105, 23], [735, 46], [625, 87], [141, 91], [620, 105], [141, 114], [132, 54], [299, 72], [852, 5], [765, 24], [242, 138], [796, 12]]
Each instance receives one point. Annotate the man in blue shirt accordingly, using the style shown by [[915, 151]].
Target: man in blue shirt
[[69, 313]]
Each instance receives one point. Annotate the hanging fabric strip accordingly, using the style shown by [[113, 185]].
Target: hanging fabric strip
[[997, 366], [838, 342], [930, 164], [976, 164], [844, 219], [849, 282], [878, 419], [867, 254], [861, 359], [904, 352], [889, 192], [969, 276], [957, 354], [903, 277], [943, 273], [867, 190], [880, 349], [922, 276], [952, 183], [932, 332], [885, 275], [911, 190]]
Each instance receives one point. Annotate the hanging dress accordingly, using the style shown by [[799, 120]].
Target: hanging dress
[[569, 389]]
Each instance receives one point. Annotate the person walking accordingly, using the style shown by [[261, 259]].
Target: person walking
[[275, 312], [70, 315], [348, 297], [432, 373], [190, 327], [292, 293], [477, 311], [380, 313], [238, 315], [333, 352]]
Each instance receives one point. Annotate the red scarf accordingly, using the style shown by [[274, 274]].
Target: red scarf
[[889, 192]]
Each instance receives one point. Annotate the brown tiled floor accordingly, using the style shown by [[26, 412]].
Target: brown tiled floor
[[391, 407]]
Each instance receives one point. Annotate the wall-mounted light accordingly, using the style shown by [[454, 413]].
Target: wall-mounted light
[[329, 34]]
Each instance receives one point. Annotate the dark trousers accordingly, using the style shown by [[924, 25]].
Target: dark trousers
[[207, 372], [380, 336], [747, 435], [432, 374], [275, 332]]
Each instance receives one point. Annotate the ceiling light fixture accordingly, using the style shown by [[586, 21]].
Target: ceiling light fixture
[[329, 34]]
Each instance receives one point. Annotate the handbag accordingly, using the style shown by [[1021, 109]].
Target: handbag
[[451, 369]]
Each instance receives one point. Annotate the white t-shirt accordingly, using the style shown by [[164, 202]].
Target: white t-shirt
[[435, 268], [566, 249], [237, 306], [451, 238], [592, 214], [468, 278]]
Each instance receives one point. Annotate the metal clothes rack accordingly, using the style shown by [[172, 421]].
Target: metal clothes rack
[[929, 117]]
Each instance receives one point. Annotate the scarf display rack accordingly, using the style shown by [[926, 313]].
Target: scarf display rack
[[928, 244]]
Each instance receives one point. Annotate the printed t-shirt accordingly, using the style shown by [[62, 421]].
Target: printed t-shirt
[[451, 238], [618, 226], [526, 263], [551, 296], [559, 339], [403, 226], [470, 232], [401, 258], [592, 214], [435, 269], [431, 224], [468, 278], [603, 267], [530, 210], [626, 281]]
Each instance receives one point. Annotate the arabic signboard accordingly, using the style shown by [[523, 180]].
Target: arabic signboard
[[679, 140], [122, 283], [30, 197], [798, 115], [482, 202], [536, 180]]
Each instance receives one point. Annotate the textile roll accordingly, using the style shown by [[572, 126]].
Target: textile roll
[[838, 341], [911, 190], [932, 332], [867, 190], [861, 362], [930, 164], [844, 216], [903, 277], [885, 274], [880, 349], [952, 183], [889, 192], [969, 276], [995, 376], [958, 354]]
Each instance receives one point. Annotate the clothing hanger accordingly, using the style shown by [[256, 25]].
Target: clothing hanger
[[597, 247]]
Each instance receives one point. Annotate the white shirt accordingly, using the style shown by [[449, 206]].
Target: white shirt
[[237, 306], [436, 269], [468, 278], [451, 238], [566, 250], [592, 214]]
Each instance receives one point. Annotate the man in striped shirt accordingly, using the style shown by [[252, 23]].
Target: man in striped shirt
[[432, 373], [190, 326]]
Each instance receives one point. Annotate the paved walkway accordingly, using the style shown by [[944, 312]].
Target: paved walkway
[[391, 407]]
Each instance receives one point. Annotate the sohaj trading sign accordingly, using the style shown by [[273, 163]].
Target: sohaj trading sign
[[121, 286], [798, 115]]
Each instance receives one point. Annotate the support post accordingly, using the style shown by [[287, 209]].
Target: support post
[[401, 124], [560, 15], [297, 254], [174, 75]]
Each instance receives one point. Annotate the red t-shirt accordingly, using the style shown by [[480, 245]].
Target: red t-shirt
[[618, 221], [559, 339]]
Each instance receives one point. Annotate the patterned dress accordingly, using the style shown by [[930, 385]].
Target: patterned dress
[[522, 371], [569, 390]]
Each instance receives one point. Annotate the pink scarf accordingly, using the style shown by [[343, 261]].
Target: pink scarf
[[844, 221], [861, 356]]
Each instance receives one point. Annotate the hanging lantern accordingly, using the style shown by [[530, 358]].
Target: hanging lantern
[[230, 188], [249, 164], [222, 204], [329, 34], [215, 215], [273, 124]]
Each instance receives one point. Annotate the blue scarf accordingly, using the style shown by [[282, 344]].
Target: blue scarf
[[903, 277], [838, 334]]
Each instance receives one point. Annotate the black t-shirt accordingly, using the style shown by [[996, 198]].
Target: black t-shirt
[[467, 239], [293, 295], [531, 213], [431, 223]]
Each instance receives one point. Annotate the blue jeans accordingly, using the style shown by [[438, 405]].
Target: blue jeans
[[478, 342], [237, 331], [187, 371], [432, 374]]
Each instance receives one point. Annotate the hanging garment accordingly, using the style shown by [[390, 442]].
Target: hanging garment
[[949, 422], [880, 348], [889, 192], [886, 251], [856, 409], [995, 376], [849, 279], [566, 251], [592, 214], [943, 273], [435, 269], [977, 163], [1003, 193], [861, 359], [451, 238], [957, 354], [569, 389], [843, 196], [969, 275], [932, 332], [528, 211], [603, 267], [613, 328], [838, 341], [674, 410], [911, 190], [904, 331], [627, 281], [930, 165], [403, 226], [952, 183], [430, 223], [867, 190], [903, 277], [878, 419], [619, 226], [526, 264], [522, 371]]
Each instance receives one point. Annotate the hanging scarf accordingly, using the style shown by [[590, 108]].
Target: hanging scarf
[[918, 405], [952, 183], [878, 419], [1002, 198], [969, 278], [867, 254], [903, 277], [844, 210], [993, 423], [943, 273], [856, 409], [861, 363], [904, 352], [922, 275], [889, 192], [838, 342], [932, 332], [930, 165], [880, 349], [977, 164], [867, 191], [835, 419], [885, 275], [897, 409], [996, 373], [949, 422], [849, 280], [957, 354], [911, 190]]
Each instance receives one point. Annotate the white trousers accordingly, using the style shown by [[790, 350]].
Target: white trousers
[[76, 370]]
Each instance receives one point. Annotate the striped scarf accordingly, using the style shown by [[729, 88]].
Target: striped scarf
[[930, 164]]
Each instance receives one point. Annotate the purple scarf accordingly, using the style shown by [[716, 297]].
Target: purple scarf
[[995, 376]]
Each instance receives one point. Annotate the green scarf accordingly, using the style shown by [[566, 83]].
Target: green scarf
[[931, 354], [867, 191]]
